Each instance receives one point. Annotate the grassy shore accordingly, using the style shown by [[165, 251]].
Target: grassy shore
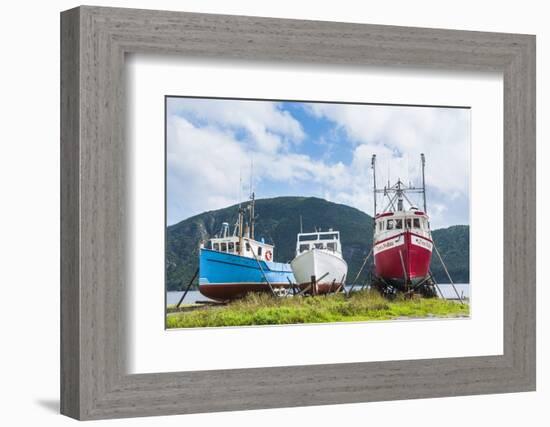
[[262, 309]]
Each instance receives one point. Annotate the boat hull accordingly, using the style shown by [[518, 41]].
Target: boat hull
[[318, 263], [224, 276], [403, 259]]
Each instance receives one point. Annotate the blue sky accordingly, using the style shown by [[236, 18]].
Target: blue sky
[[313, 149]]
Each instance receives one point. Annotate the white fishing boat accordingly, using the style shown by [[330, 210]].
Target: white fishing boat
[[319, 267]]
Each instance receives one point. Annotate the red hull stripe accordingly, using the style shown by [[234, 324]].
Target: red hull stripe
[[382, 215]]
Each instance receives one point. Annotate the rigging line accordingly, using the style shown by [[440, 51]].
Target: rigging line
[[447, 272], [361, 269], [390, 203], [407, 199]]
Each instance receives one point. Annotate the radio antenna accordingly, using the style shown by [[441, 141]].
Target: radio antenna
[[251, 174], [373, 165], [252, 198], [240, 185], [423, 161]]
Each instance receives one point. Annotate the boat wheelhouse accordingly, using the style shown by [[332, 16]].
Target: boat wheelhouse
[[319, 266], [402, 241], [234, 264], [231, 244]]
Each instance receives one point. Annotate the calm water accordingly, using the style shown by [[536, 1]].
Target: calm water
[[193, 296], [173, 297]]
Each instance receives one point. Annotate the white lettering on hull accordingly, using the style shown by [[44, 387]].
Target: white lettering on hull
[[423, 243], [389, 244]]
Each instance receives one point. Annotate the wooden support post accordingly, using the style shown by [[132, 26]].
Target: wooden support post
[[263, 274], [448, 275], [291, 286], [436, 285], [310, 286], [343, 285], [405, 276], [303, 291], [187, 289], [360, 270]]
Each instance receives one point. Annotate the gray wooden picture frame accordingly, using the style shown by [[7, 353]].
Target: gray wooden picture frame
[[94, 41]]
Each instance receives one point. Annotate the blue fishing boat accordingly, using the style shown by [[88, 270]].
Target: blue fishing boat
[[234, 264]]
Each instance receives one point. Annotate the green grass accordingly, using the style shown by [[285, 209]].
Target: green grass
[[262, 309]]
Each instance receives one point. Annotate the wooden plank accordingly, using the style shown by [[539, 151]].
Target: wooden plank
[[70, 219]]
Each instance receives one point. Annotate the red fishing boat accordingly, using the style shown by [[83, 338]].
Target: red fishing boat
[[402, 241]]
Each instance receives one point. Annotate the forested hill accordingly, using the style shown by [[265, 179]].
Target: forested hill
[[278, 222]]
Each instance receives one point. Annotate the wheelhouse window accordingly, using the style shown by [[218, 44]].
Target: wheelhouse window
[[408, 223], [303, 247], [223, 247], [247, 247], [416, 223], [331, 246], [238, 247], [259, 251], [231, 247], [389, 224], [319, 246], [398, 224], [216, 246]]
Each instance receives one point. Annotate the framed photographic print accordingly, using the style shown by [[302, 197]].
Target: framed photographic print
[[311, 239], [304, 212]]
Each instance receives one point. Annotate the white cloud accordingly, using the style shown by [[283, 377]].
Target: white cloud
[[210, 144], [399, 134], [269, 129], [206, 164]]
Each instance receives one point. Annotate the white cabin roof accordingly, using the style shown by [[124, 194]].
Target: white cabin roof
[[251, 248], [319, 235], [321, 240]]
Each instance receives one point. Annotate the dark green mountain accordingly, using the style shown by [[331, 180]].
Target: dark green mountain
[[278, 223], [453, 244]]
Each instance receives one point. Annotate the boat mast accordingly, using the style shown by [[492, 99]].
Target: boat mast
[[252, 198], [240, 231], [373, 164], [423, 161], [397, 194], [241, 215], [238, 222]]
